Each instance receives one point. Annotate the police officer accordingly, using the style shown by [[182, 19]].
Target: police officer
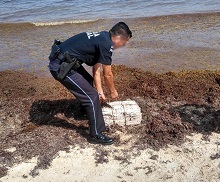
[[93, 49]]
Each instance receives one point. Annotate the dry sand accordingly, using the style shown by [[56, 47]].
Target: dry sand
[[195, 160]]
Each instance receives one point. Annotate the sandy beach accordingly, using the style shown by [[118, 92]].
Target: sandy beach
[[172, 70], [195, 160]]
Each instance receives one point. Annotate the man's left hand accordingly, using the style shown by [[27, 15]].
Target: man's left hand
[[114, 95]]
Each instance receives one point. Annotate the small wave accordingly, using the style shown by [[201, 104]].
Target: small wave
[[62, 22]]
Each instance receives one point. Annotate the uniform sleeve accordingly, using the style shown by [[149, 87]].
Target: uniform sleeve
[[105, 53]]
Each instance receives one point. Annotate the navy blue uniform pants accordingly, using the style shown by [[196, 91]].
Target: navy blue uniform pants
[[80, 83]]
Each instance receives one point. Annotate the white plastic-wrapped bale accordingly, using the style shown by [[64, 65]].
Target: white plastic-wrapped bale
[[122, 113]]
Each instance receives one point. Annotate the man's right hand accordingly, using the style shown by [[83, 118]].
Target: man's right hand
[[114, 94], [102, 97]]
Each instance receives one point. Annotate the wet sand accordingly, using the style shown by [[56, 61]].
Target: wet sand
[[159, 44]]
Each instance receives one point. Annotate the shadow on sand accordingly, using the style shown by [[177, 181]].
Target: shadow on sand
[[66, 113]]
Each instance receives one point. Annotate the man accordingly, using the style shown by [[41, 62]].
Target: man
[[93, 49]]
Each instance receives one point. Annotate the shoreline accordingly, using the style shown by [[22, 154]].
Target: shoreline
[[81, 21], [160, 44]]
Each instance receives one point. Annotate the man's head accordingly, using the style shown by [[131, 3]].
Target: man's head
[[120, 34]]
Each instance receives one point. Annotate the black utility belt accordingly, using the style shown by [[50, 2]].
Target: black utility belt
[[67, 63]]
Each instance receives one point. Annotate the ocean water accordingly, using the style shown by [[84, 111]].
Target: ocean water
[[74, 10]]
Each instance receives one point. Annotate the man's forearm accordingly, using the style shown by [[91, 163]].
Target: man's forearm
[[110, 82], [97, 78], [98, 84]]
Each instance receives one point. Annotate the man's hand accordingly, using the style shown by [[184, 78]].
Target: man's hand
[[102, 97], [114, 94]]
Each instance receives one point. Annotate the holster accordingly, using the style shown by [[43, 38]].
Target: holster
[[67, 65]]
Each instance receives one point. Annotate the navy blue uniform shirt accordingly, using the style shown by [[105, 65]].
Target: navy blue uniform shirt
[[88, 47]]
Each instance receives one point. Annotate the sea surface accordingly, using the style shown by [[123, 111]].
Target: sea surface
[[73, 10]]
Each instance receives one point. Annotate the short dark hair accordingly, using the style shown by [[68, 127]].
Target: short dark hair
[[121, 29]]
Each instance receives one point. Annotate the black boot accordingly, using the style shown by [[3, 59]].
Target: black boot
[[100, 139]]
